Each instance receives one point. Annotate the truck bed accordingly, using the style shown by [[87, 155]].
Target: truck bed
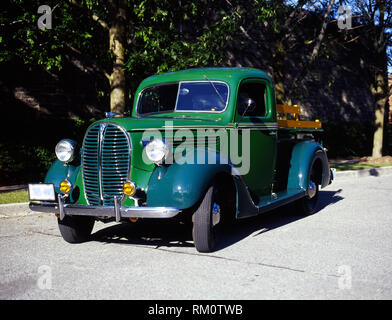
[[288, 118]]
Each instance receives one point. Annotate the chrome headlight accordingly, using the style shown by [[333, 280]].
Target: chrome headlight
[[65, 150], [157, 150]]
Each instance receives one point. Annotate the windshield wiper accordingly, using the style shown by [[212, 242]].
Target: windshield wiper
[[217, 92], [153, 115]]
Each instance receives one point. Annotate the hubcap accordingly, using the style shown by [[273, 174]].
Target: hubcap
[[312, 189], [215, 214]]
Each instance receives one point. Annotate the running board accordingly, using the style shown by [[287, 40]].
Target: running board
[[279, 199], [270, 202]]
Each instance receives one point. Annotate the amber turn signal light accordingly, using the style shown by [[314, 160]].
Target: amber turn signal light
[[129, 188], [65, 186]]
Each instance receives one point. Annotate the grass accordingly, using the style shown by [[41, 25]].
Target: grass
[[14, 197], [357, 166]]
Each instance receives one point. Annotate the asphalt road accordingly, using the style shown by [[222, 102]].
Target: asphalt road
[[341, 252]]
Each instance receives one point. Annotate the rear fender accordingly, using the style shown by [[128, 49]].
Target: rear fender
[[304, 155]]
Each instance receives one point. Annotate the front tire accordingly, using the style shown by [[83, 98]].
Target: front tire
[[76, 229], [205, 220]]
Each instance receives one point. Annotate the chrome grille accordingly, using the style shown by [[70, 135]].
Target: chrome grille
[[106, 161]]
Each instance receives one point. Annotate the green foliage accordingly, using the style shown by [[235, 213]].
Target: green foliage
[[159, 45], [345, 139], [72, 31], [23, 162], [27, 157], [161, 34]]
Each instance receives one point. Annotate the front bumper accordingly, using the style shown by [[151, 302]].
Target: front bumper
[[116, 211]]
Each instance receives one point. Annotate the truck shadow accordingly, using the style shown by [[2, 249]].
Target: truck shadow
[[171, 233], [271, 220], [147, 232]]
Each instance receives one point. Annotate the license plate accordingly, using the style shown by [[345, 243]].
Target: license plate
[[41, 192]]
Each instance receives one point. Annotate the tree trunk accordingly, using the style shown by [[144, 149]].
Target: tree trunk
[[380, 88], [380, 94], [278, 65], [321, 35], [117, 38]]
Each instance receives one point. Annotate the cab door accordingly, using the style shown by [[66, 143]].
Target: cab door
[[255, 112]]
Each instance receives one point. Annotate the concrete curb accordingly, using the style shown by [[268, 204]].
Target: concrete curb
[[375, 172], [13, 188], [14, 204], [15, 210]]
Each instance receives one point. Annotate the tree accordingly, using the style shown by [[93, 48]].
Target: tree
[[376, 17], [21, 39], [176, 35], [127, 40], [111, 15], [283, 31], [291, 13], [316, 49]]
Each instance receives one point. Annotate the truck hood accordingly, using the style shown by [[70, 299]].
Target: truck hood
[[159, 123], [137, 127]]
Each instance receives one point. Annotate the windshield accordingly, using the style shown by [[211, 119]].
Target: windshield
[[204, 96]]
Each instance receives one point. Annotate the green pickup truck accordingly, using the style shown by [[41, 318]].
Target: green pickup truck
[[204, 145]]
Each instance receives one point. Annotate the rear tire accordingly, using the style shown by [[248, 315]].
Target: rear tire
[[76, 229]]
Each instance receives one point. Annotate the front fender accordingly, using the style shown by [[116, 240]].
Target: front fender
[[58, 172], [182, 185], [304, 154]]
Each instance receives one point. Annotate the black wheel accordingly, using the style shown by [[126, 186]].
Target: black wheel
[[308, 204], [205, 221], [76, 229]]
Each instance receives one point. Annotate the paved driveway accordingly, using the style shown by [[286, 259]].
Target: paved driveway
[[342, 252]]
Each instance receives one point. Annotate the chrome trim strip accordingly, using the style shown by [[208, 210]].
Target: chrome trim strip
[[102, 129], [82, 162], [258, 128], [272, 125]]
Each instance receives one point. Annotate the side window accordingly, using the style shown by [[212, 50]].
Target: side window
[[252, 99]]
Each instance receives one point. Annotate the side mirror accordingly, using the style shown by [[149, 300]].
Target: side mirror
[[248, 105], [251, 105]]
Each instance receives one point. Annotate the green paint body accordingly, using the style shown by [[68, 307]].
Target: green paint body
[[184, 185]]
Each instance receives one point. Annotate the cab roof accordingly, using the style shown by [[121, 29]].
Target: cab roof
[[228, 75]]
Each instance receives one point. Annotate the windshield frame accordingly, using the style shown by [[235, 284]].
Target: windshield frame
[[211, 82]]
